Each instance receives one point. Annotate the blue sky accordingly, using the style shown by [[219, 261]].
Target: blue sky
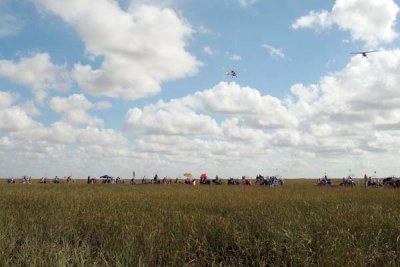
[[150, 73], [242, 31]]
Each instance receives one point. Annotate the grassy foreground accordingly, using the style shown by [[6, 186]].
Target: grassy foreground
[[178, 225]]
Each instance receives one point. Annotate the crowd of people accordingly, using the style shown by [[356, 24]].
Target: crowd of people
[[269, 180], [324, 181], [386, 182], [349, 181], [28, 180], [204, 180]]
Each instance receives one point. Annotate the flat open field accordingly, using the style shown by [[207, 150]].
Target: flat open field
[[179, 225]]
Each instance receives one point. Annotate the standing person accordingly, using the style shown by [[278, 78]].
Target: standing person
[[133, 177]]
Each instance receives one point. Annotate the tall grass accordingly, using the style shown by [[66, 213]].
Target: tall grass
[[177, 225]]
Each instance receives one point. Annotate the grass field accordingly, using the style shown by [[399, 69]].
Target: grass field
[[178, 225]]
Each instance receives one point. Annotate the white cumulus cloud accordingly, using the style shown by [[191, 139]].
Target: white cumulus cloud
[[37, 73], [74, 108], [171, 118], [142, 47], [265, 111], [6, 99], [370, 21], [14, 119]]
